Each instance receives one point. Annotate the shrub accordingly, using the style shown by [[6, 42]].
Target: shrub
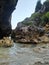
[[28, 23], [35, 15], [45, 18]]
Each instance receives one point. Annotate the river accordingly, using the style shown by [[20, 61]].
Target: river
[[25, 54]]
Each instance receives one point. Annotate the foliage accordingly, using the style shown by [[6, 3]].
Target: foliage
[[45, 18], [47, 15], [28, 23], [39, 18], [35, 15], [47, 0]]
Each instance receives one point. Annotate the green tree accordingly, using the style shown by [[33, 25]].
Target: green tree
[[47, 0], [45, 18]]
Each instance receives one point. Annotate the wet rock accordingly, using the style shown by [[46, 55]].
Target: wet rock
[[6, 42], [40, 63]]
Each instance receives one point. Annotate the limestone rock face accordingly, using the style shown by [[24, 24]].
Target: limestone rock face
[[27, 34], [6, 9], [45, 7]]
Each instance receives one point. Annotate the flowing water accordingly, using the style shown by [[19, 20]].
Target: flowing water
[[25, 54]]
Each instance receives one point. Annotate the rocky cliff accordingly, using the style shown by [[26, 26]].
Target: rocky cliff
[[34, 29], [38, 18], [6, 9]]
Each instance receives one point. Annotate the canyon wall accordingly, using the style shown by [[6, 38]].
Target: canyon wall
[[6, 9]]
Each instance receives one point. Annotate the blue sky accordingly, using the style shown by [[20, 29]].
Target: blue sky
[[24, 9]]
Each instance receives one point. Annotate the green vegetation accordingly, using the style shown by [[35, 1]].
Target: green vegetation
[[40, 16], [28, 23], [47, 0], [35, 15], [45, 18]]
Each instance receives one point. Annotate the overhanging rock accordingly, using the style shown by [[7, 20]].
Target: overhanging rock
[[6, 9]]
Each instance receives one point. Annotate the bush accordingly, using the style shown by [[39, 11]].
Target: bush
[[35, 15], [45, 18], [28, 23]]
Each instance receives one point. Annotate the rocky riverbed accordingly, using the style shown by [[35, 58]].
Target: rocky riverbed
[[25, 54]]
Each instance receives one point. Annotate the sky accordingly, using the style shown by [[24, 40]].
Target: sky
[[23, 9]]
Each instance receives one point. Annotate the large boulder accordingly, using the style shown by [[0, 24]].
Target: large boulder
[[6, 9], [27, 34]]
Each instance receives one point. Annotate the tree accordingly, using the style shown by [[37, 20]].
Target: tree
[[47, 0], [45, 19], [38, 6]]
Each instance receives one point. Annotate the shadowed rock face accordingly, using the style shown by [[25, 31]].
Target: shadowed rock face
[[6, 9], [45, 7]]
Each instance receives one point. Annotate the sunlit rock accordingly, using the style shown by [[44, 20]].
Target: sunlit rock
[[6, 42]]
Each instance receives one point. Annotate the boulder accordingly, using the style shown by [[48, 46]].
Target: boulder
[[6, 42], [27, 34], [40, 63], [44, 39]]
